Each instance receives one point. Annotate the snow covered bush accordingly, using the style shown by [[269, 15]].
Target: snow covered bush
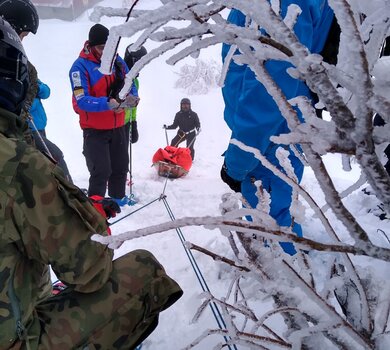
[[200, 78], [348, 305]]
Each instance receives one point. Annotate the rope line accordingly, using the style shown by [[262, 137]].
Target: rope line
[[134, 211], [214, 307]]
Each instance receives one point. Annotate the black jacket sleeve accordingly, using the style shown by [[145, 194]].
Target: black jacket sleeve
[[175, 123]]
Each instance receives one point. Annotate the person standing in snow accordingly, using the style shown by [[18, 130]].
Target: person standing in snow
[[131, 57], [37, 124], [188, 123], [253, 116], [102, 117], [46, 220]]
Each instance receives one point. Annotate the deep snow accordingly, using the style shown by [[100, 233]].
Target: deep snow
[[53, 50]]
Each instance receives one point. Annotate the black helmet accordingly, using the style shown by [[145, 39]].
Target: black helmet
[[185, 101], [14, 78], [133, 56], [20, 14]]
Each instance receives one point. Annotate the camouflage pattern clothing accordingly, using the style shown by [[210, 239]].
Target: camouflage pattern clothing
[[45, 220], [31, 94]]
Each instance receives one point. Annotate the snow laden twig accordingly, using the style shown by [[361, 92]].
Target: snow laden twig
[[354, 187], [330, 230], [255, 230], [328, 309], [215, 256], [362, 130]]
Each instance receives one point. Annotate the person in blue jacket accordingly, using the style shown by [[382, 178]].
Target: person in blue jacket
[[253, 116], [37, 111], [37, 124]]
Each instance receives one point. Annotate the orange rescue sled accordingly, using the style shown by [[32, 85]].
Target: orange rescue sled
[[172, 162]]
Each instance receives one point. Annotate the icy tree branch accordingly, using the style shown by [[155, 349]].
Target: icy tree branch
[[352, 92]]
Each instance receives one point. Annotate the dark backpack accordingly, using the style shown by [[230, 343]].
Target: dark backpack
[[119, 80]]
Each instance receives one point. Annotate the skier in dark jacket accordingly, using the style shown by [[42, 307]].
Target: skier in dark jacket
[[188, 123]]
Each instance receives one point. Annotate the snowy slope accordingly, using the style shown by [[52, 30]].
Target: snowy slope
[[53, 50]]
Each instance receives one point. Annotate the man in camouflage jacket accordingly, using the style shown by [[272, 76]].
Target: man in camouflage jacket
[[45, 220]]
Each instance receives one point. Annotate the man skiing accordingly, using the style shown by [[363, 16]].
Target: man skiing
[[188, 123], [46, 220]]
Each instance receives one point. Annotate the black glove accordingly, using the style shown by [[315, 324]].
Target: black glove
[[110, 207], [106, 206], [235, 185], [134, 131]]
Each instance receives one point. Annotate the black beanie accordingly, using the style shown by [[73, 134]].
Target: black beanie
[[98, 35]]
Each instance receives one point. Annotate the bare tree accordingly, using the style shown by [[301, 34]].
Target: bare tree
[[349, 307]]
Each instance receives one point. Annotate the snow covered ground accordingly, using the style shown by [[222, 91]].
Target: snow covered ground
[[53, 50]]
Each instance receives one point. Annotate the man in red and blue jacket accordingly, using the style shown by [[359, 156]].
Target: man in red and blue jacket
[[102, 117]]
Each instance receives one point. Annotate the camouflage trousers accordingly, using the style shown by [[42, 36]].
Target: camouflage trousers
[[118, 316]]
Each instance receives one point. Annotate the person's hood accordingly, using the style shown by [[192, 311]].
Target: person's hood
[[86, 53]]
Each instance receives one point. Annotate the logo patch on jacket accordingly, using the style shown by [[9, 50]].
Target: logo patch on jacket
[[78, 92], [76, 79]]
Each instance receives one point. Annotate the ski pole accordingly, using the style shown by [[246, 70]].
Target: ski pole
[[193, 140], [130, 160], [40, 137], [166, 136], [134, 211]]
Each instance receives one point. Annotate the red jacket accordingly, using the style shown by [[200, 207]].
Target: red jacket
[[91, 90]]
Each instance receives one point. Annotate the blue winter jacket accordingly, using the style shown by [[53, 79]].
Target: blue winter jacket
[[250, 112], [37, 110], [254, 117]]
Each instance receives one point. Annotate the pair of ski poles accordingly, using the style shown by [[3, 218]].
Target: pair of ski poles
[[182, 138]]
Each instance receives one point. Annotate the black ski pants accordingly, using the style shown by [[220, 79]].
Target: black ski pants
[[190, 138], [107, 160]]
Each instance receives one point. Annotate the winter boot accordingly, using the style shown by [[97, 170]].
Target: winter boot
[[121, 201]]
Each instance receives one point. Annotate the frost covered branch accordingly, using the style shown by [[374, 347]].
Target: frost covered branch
[[255, 230], [348, 307]]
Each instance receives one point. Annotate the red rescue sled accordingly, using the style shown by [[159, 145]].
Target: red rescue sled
[[172, 162]]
